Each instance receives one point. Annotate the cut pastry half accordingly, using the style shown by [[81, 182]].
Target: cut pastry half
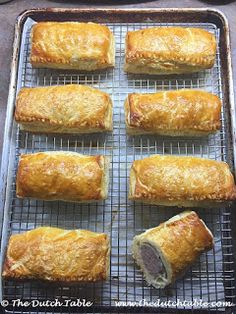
[[165, 253]]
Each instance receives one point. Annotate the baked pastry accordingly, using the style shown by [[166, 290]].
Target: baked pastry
[[64, 109], [65, 176], [169, 50], [72, 45], [54, 254], [164, 253], [176, 113], [181, 181]]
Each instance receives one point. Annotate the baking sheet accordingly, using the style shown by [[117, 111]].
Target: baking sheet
[[121, 219]]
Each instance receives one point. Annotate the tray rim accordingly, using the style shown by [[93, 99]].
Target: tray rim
[[10, 109]]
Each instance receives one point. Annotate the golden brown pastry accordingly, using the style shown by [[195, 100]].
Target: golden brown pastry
[[64, 109], [72, 45], [181, 181], [169, 50], [164, 253], [54, 254], [65, 176], [175, 113]]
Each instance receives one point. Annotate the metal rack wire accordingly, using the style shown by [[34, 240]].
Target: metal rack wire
[[211, 279]]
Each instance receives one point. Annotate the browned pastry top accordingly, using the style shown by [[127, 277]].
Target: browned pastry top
[[54, 254], [67, 44], [163, 50], [186, 109], [181, 178], [61, 175], [64, 108]]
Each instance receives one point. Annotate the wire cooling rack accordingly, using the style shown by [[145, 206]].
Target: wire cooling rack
[[211, 279]]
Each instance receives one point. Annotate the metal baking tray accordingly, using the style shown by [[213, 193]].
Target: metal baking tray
[[212, 278]]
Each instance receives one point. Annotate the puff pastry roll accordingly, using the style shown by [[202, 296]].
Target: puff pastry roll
[[72, 45], [169, 50], [65, 176], [64, 109], [54, 254], [173, 113], [164, 253], [181, 181]]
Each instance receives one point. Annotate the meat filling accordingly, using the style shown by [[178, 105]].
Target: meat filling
[[152, 261]]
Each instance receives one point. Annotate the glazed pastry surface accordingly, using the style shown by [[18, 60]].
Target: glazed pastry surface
[[66, 176], [54, 254], [169, 50], [184, 112], [178, 242], [64, 109], [181, 181], [72, 45]]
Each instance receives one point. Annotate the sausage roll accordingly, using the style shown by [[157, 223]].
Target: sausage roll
[[65, 176], [72, 45], [164, 253], [169, 50], [54, 254], [181, 181], [64, 109], [174, 113]]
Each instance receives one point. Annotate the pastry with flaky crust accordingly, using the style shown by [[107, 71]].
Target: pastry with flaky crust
[[63, 109], [175, 113], [54, 254], [72, 45], [169, 50], [181, 181], [164, 253], [65, 176]]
